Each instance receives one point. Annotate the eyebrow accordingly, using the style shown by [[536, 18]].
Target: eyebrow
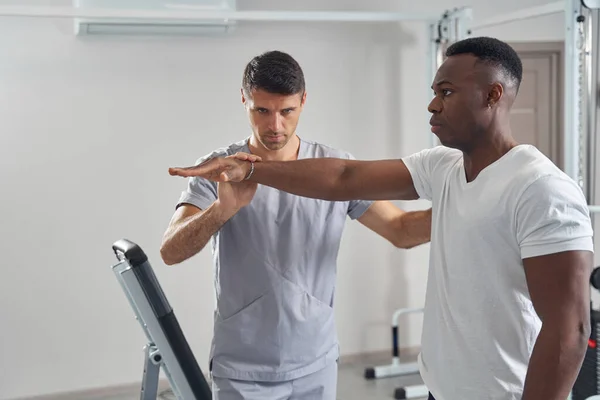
[[442, 82], [265, 108]]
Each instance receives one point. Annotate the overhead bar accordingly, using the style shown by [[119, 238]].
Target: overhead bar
[[525, 13], [190, 15]]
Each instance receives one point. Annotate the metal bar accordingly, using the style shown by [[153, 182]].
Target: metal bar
[[188, 15], [526, 13], [570, 156], [594, 209], [432, 55]]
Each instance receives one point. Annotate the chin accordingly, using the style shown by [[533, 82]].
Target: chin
[[277, 145]]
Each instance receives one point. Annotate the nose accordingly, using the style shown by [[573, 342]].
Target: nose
[[435, 106], [276, 122]]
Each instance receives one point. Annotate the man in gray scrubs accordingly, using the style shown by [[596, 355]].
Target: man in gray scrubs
[[274, 252]]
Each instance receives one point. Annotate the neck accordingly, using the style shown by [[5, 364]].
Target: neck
[[288, 152], [492, 147]]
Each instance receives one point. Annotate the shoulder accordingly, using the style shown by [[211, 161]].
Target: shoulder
[[224, 151], [443, 154], [321, 150], [434, 158], [537, 174], [543, 184]]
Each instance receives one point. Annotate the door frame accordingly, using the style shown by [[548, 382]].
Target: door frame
[[555, 52]]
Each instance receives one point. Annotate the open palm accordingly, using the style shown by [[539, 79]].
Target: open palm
[[215, 169]]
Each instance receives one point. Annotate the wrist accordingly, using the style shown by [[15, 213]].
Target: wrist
[[223, 211]]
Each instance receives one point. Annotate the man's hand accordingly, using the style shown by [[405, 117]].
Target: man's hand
[[246, 157], [222, 169]]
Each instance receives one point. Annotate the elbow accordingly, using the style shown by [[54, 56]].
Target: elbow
[[340, 185], [573, 335], [407, 245], [581, 338], [167, 254], [403, 244], [166, 257], [585, 331]]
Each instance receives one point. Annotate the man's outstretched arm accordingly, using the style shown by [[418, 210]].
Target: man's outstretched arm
[[331, 179]]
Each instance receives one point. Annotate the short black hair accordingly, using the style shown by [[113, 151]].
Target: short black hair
[[492, 51], [274, 72]]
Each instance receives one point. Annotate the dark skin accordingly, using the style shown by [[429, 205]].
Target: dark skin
[[470, 112]]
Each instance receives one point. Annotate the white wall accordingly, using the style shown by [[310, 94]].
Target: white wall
[[91, 126]]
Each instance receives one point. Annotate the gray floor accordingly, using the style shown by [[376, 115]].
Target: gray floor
[[353, 386], [351, 383]]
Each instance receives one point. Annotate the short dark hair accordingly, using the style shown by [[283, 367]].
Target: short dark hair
[[492, 51], [274, 72]]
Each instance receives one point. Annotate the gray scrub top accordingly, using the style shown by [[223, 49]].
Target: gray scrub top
[[275, 267]]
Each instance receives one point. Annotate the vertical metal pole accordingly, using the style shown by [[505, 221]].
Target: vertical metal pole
[[591, 104], [452, 26], [572, 90], [431, 68], [465, 22]]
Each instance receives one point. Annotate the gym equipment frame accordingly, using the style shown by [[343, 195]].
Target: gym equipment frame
[[580, 62], [167, 346], [396, 368]]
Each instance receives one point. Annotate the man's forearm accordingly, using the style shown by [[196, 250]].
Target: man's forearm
[[555, 362], [189, 237], [337, 179], [414, 230], [321, 178]]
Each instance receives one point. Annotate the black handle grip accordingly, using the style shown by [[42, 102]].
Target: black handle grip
[[595, 278], [126, 249]]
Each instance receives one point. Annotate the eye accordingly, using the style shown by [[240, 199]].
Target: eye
[[286, 111], [443, 92]]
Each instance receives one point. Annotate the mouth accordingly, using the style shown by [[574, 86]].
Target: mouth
[[435, 126], [274, 138]]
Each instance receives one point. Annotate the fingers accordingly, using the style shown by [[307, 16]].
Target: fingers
[[177, 171], [204, 170], [246, 157], [228, 169]]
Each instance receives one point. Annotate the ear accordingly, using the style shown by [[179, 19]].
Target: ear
[[303, 99], [495, 94], [243, 97]]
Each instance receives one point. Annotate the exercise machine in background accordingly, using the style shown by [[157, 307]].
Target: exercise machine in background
[[396, 368], [588, 380], [167, 346]]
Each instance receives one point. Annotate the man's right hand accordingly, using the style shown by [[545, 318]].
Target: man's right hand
[[220, 169]]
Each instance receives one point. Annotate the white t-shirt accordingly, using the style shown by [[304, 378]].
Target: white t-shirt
[[479, 324]]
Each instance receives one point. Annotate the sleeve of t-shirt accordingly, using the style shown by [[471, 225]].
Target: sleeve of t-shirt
[[552, 216], [421, 166], [356, 208], [200, 192]]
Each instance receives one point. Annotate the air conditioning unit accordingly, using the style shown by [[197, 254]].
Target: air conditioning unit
[[152, 17]]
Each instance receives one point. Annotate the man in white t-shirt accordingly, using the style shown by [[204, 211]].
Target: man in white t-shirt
[[507, 304]]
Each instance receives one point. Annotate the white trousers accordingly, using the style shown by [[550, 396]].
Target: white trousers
[[321, 385]]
